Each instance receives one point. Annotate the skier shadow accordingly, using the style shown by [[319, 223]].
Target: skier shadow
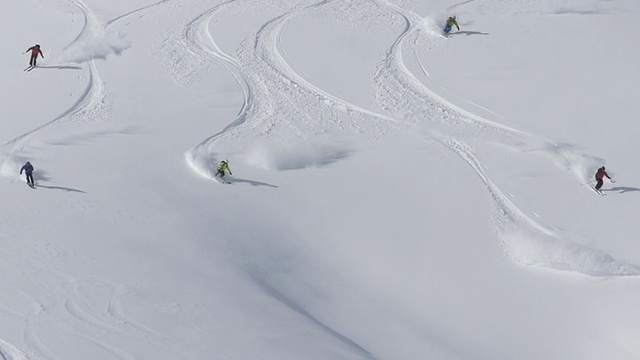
[[468, 33], [60, 67], [622, 189], [250, 182], [60, 188]]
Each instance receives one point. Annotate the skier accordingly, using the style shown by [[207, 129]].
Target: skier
[[600, 174], [28, 170], [224, 165], [450, 22], [35, 50]]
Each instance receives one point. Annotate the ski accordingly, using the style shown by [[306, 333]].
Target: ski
[[221, 180], [28, 68]]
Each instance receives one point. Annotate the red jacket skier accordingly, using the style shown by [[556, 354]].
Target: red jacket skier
[[35, 50], [600, 174]]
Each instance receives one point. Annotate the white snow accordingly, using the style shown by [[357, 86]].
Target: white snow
[[396, 194]]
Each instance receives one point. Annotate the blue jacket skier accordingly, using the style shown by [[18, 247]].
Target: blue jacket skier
[[28, 170]]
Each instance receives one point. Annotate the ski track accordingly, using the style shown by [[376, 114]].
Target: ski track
[[73, 306], [277, 99], [73, 315], [9, 351], [198, 37], [136, 11], [91, 106], [400, 90], [262, 72]]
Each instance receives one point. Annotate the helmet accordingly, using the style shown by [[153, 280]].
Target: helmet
[[37, 45], [602, 168]]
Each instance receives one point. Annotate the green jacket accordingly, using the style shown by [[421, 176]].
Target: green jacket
[[451, 22], [224, 166]]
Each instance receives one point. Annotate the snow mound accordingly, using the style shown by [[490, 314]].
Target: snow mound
[[293, 156], [95, 41], [564, 255]]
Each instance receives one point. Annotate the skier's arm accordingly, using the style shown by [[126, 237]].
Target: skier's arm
[[455, 22], [41, 54]]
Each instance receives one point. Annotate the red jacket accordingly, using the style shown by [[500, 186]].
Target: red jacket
[[35, 51], [601, 174]]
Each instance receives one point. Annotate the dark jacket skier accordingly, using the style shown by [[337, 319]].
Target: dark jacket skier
[[600, 174], [35, 51], [28, 171]]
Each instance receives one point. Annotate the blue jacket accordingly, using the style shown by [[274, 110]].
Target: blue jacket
[[27, 168]]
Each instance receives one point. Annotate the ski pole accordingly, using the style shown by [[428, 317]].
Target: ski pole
[[14, 179]]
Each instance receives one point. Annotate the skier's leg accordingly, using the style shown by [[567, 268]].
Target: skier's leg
[[599, 184]]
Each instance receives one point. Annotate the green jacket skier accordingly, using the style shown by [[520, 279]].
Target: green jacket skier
[[451, 21], [224, 166]]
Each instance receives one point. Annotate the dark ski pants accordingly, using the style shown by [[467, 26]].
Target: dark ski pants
[[599, 184], [33, 60], [29, 178], [220, 173]]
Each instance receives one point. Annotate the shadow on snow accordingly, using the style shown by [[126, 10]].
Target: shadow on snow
[[468, 33], [622, 189], [60, 188], [60, 67], [250, 182]]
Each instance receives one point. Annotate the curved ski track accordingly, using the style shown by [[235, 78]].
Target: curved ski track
[[73, 306], [400, 91], [262, 73], [132, 12], [92, 104], [274, 94], [258, 116], [91, 322], [10, 352]]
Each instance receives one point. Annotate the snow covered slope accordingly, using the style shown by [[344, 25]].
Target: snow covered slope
[[396, 194]]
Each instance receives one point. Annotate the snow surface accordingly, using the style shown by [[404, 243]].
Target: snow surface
[[396, 194]]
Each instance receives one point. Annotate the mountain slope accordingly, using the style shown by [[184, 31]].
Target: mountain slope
[[396, 194]]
